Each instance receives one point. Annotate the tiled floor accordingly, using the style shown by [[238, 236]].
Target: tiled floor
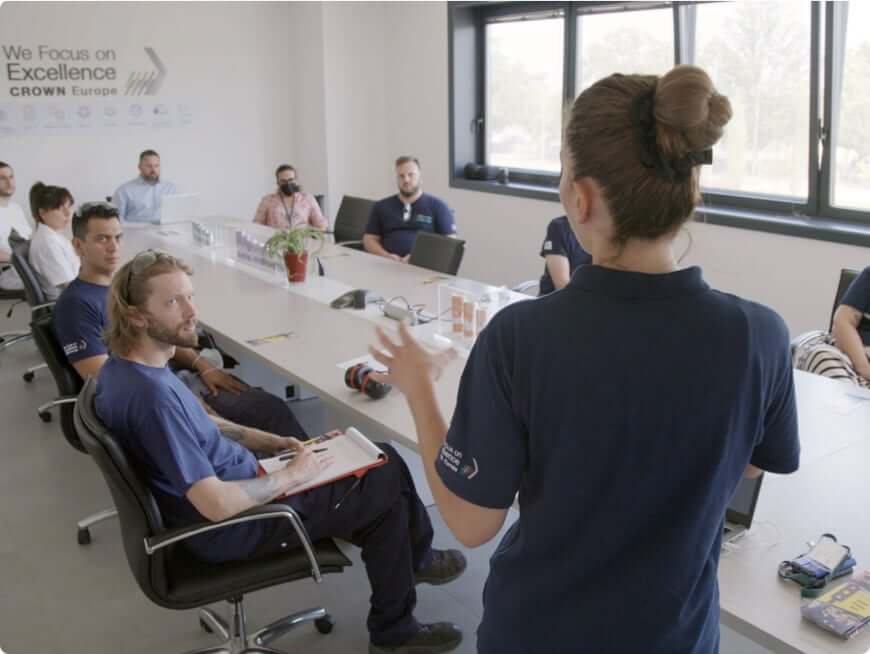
[[56, 596]]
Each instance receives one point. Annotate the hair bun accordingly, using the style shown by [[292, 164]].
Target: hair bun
[[689, 112]]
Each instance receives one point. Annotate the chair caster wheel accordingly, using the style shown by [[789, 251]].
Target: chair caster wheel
[[45, 416], [325, 624], [205, 627], [27, 376], [84, 537]]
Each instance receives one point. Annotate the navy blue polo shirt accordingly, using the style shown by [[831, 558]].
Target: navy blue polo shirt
[[624, 410], [78, 319], [398, 227], [174, 443], [857, 296], [560, 240]]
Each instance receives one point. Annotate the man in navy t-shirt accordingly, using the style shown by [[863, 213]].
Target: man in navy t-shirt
[[852, 324], [562, 254], [394, 221], [197, 472], [79, 319]]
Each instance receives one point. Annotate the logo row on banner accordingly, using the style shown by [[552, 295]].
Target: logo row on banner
[[68, 115]]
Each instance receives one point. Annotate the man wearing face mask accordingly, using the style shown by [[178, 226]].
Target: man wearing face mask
[[289, 206], [394, 221]]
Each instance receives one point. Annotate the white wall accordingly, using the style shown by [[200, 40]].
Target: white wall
[[231, 60], [386, 75], [341, 89]]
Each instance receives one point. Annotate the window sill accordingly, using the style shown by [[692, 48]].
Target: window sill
[[820, 229]]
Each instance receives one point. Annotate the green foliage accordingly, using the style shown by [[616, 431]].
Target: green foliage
[[293, 240]]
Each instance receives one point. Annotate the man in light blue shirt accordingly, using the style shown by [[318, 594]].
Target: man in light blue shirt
[[138, 200]]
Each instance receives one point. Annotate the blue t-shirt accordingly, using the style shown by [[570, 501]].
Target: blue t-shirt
[[174, 443], [625, 430], [78, 319], [560, 240], [857, 296], [398, 227]]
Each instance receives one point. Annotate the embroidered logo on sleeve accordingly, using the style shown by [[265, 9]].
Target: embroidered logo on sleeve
[[75, 347], [451, 458], [548, 245]]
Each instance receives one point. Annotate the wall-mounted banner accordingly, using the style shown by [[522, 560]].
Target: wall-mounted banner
[[46, 89], [45, 71]]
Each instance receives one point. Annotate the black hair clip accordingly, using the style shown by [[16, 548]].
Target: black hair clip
[[676, 170]]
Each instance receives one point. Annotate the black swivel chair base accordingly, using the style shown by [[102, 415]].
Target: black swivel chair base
[[84, 532], [235, 638]]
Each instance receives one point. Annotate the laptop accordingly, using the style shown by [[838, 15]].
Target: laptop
[[179, 208], [738, 515]]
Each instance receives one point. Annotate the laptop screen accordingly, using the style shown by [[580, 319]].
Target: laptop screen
[[742, 506]]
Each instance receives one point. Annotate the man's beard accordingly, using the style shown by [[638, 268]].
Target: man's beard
[[409, 194], [5, 194], [163, 334]]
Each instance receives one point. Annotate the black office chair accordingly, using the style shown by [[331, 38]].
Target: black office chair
[[33, 293], [847, 276], [436, 252], [351, 221], [320, 200], [172, 577], [68, 386], [8, 339]]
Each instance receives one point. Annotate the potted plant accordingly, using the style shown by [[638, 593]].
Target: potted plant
[[290, 244]]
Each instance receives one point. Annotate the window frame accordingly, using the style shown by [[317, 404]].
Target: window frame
[[815, 217]]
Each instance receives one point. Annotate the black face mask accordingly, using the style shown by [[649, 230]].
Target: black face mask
[[289, 188]]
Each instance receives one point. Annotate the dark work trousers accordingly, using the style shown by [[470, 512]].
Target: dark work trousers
[[258, 409], [385, 517]]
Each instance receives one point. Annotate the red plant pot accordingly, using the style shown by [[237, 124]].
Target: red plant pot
[[296, 266]]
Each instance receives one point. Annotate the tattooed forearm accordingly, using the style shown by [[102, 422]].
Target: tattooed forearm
[[261, 489], [233, 433]]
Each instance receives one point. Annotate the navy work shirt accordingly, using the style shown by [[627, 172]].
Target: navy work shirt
[[398, 226], [560, 240], [857, 296], [624, 409], [78, 319], [174, 443]]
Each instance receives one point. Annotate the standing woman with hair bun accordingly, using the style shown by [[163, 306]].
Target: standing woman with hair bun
[[51, 252], [624, 410]]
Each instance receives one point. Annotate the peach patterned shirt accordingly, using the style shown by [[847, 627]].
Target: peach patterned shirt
[[302, 209]]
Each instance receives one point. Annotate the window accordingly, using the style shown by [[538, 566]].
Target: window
[[795, 155], [639, 41], [524, 93], [850, 142], [758, 54]]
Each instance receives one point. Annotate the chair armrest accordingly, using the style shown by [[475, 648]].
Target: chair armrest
[[525, 286], [264, 512], [354, 245], [40, 307]]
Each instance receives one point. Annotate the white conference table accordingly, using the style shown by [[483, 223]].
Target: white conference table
[[239, 302], [829, 493]]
